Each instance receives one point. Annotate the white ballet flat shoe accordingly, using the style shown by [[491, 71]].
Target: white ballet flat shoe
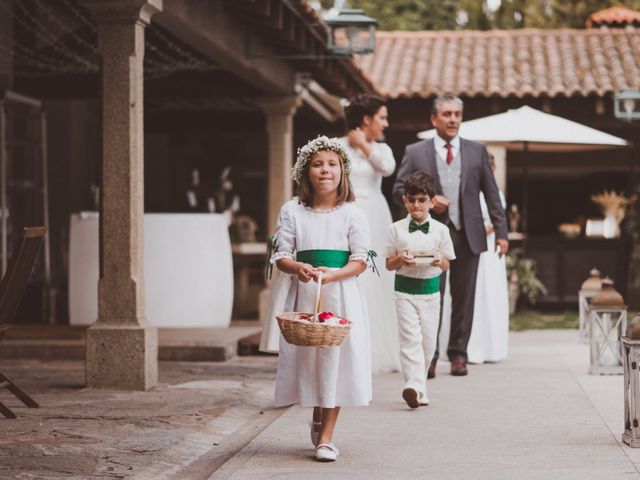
[[327, 452]]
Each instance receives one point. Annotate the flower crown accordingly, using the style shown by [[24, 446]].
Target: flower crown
[[322, 143]]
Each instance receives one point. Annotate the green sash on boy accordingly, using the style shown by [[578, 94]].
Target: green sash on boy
[[417, 286]]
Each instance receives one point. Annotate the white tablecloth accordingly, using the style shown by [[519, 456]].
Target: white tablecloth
[[187, 263]]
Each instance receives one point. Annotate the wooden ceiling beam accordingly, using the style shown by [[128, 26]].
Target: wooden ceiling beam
[[217, 33], [256, 7], [278, 28]]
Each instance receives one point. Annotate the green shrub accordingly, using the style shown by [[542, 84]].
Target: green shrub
[[523, 271]]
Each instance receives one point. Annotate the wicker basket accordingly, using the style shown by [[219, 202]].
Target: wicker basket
[[311, 333]]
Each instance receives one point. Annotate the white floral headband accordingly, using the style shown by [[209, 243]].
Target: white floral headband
[[319, 144]]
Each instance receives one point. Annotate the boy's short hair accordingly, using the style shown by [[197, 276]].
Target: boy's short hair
[[420, 182]]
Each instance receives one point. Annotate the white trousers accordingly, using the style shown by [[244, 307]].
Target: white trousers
[[418, 330]]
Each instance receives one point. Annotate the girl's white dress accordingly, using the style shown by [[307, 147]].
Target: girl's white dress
[[490, 329], [366, 178], [334, 376]]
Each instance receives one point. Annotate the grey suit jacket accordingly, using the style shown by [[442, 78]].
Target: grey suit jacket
[[476, 176]]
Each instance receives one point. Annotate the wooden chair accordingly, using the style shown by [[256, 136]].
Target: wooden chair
[[12, 287]]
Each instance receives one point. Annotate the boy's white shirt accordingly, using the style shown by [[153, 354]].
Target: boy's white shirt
[[438, 240]]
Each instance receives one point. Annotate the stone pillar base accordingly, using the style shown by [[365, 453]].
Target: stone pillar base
[[122, 357]]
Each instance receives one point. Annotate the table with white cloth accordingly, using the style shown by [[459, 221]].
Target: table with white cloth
[[248, 274], [188, 271]]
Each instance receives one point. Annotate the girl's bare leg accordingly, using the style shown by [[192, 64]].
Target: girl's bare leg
[[317, 415], [329, 420], [316, 424]]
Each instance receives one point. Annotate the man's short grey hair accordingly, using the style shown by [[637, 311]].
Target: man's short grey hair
[[447, 97]]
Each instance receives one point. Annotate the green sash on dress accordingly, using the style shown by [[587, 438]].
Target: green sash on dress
[[417, 286], [324, 258]]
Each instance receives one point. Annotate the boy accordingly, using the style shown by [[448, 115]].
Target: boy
[[419, 249]]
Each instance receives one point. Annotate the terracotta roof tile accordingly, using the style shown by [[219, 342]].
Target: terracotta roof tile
[[612, 16], [505, 62]]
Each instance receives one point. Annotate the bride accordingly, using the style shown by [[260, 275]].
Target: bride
[[367, 118]]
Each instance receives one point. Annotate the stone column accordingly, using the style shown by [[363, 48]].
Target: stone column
[[122, 349], [279, 114]]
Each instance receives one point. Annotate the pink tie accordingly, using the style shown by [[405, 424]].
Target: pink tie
[[449, 153]]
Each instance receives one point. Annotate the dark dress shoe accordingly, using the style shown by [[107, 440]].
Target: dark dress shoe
[[412, 397], [458, 367], [431, 373]]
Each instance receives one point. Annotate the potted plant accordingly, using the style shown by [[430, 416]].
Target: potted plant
[[613, 207], [522, 278]]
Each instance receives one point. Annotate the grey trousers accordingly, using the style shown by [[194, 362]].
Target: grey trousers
[[462, 283]]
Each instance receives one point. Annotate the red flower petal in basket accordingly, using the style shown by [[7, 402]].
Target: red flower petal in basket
[[325, 316], [343, 321]]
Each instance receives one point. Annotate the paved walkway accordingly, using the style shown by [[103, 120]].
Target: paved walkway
[[538, 415]]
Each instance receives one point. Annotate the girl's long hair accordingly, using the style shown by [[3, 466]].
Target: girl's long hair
[[345, 190]]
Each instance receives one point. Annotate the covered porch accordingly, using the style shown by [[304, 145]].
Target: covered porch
[[151, 92]]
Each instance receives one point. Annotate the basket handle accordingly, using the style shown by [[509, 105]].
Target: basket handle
[[316, 308]]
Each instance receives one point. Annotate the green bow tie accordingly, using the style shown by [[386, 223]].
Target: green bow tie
[[413, 226]]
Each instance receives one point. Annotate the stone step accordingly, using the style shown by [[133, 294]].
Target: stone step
[[178, 344], [250, 345], [202, 344], [43, 349]]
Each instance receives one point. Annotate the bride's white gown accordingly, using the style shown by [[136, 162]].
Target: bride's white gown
[[366, 179], [490, 329]]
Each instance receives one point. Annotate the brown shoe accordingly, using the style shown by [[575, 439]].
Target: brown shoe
[[431, 373], [458, 367], [410, 396]]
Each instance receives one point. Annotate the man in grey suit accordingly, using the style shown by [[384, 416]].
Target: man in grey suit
[[461, 171]]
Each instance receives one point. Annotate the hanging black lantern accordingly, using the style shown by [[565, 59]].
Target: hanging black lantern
[[351, 32]]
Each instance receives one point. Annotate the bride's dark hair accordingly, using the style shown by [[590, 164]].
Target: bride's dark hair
[[360, 106]]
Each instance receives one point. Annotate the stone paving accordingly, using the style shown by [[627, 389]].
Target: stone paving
[[538, 415], [199, 411]]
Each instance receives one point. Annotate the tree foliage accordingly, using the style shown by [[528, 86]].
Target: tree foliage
[[411, 14], [574, 13], [476, 14], [552, 13]]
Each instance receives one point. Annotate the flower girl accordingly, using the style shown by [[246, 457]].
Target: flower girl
[[323, 231]]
